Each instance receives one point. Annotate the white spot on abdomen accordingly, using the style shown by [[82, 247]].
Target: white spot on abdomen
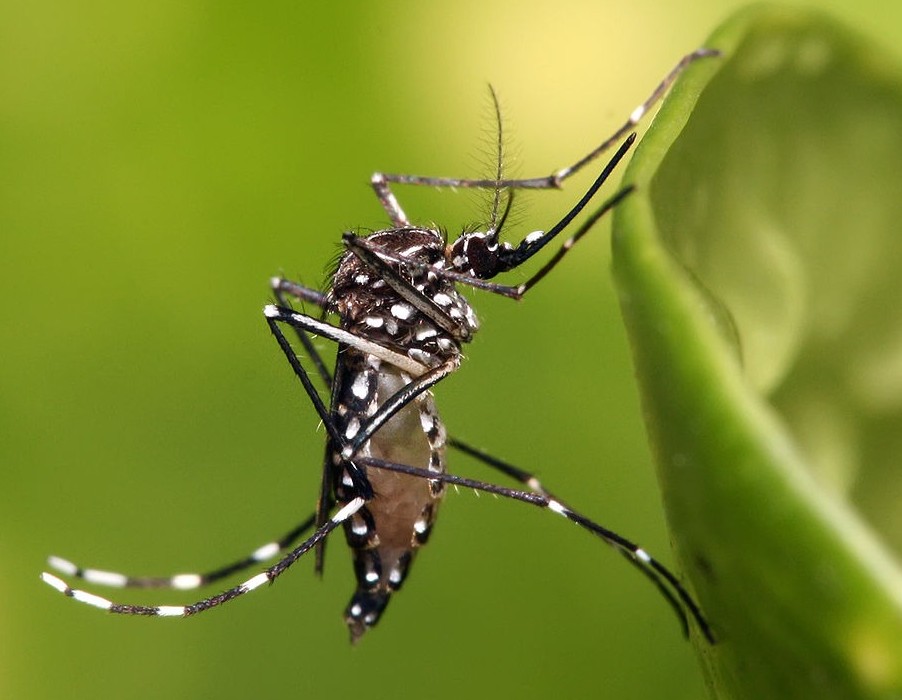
[[360, 387]]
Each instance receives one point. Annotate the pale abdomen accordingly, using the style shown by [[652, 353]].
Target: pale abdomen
[[386, 532]]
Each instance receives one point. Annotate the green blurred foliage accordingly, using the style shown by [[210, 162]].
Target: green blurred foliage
[[158, 163], [758, 272]]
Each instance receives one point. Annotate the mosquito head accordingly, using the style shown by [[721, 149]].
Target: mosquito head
[[479, 254]]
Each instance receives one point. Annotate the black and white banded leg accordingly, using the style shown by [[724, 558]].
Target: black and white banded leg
[[426, 378], [183, 582], [381, 182], [191, 581], [666, 582], [267, 576]]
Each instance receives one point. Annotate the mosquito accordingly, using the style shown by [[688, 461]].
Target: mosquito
[[401, 324]]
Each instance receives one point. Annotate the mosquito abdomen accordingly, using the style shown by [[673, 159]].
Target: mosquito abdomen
[[386, 532]]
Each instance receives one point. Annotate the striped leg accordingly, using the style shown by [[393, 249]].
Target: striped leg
[[381, 182], [666, 582], [282, 290], [182, 582], [661, 577], [267, 576]]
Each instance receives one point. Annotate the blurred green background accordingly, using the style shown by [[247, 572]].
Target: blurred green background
[[159, 162]]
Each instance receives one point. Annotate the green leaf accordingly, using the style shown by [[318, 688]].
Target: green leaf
[[759, 267]]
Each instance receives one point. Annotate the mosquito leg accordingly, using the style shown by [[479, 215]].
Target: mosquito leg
[[520, 290], [635, 116], [282, 287], [381, 181], [380, 185], [275, 314], [532, 482], [182, 582], [666, 582], [519, 475], [325, 501], [267, 576]]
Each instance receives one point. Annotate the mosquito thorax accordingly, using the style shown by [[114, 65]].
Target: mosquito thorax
[[371, 307]]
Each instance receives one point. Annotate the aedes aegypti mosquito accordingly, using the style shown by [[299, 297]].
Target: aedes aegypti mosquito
[[401, 325]]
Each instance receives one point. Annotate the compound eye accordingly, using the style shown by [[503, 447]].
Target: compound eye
[[473, 254]]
